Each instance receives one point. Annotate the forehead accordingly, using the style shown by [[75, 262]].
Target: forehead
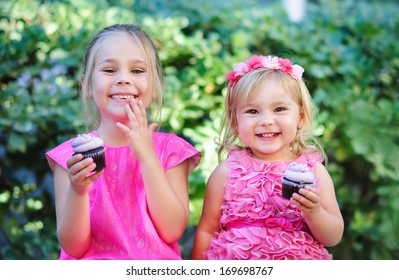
[[120, 45], [269, 90]]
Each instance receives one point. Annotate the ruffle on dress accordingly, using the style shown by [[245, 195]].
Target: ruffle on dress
[[256, 221]]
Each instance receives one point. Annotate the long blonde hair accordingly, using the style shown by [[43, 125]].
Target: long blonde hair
[[152, 60], [239, 92]]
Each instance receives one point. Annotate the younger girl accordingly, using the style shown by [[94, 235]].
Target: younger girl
[[267, 125], [137, 207]]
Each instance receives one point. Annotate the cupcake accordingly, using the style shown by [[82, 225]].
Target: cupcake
[[90, 146], [296, 176]]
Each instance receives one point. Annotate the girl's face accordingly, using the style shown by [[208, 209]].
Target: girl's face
[[268, 122], [120, 73]]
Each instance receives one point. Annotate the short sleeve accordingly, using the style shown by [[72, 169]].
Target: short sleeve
[[60, 155], [173, 150]]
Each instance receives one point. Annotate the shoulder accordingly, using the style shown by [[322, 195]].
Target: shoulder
[[321, 171], [219, 175], [215, 189], [162, 138], [310, 158]]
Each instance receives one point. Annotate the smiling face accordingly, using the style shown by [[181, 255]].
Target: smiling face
[[120, 73], [268, 121]]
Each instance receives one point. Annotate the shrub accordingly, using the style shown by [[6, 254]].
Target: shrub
[[348, 49]]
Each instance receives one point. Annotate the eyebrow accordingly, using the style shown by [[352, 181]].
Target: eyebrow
[[134, 60], [274, 104]]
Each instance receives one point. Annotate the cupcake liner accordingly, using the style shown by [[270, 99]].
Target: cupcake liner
[[290, 187], [98, 156]]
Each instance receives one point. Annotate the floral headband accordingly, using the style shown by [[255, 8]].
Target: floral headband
[[260, 61]]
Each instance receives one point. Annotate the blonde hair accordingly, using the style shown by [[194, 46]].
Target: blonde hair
[[239, 93], [152, 60]]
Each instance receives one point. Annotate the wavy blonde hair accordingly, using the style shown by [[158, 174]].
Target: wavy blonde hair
[[238, 94], [152, 60]]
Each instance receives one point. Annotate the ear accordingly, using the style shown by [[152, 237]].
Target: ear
[[89, 94], [301, 120]]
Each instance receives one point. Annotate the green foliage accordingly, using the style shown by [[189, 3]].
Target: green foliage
[[348, 49]]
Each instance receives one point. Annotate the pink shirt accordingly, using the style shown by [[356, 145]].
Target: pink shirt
[[121, 225]]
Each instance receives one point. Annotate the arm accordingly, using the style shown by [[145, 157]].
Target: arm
[[72, 204], [209, 221], [166, 192], [167, 197], [320, 209]]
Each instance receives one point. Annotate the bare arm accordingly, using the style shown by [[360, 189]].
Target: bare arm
[[167, 192], [72, 204], [320, 209], [209, 221], [167, 197]]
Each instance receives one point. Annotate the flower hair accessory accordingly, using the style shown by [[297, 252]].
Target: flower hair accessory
[[260, 61]]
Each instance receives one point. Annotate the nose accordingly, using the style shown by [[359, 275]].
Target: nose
[[266, 119], [123, 78]]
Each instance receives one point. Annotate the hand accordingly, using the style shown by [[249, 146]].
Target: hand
[[308, 200], [139, 135], [79, 170]]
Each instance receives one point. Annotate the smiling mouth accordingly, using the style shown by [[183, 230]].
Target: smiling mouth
[[267, 135], [123, 96]]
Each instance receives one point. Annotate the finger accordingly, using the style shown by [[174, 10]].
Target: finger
[[139, 111], [310, 193], [74, 159], [82, 179], [83, 172], [123, 127], [152, 127], [76, 166], [94, 176], [130, 114], [301, 201], [142, 111], [80, 169]]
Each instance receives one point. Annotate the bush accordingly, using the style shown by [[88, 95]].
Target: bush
[[348, 49]]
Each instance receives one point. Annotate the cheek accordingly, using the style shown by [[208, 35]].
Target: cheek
[[244, 127], [146, 95], [95, 86]]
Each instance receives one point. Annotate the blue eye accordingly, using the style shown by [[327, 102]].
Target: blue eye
[[137, 71]]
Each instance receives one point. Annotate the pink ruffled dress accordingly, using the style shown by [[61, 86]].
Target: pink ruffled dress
[[121, 225], [256, 221]]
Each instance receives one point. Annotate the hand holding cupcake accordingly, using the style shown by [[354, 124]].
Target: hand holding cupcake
[[90, 146]]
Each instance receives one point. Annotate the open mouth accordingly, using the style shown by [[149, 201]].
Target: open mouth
[[267, 135], [123, 96]]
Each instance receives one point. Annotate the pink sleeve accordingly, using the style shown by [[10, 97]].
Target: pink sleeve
[[173, 150], [60, 155]]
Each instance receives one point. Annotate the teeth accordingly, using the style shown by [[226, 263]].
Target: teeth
[[122, 96], [267, 135]]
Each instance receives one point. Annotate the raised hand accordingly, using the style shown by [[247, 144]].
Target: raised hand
[[139, 134]]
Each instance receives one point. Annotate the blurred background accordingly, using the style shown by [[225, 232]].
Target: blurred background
[[349, 50]]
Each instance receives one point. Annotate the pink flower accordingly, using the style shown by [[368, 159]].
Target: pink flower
[[241, 69], [285, 65], [271, 62], [231, 76], [255, 62], [297, 71]]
